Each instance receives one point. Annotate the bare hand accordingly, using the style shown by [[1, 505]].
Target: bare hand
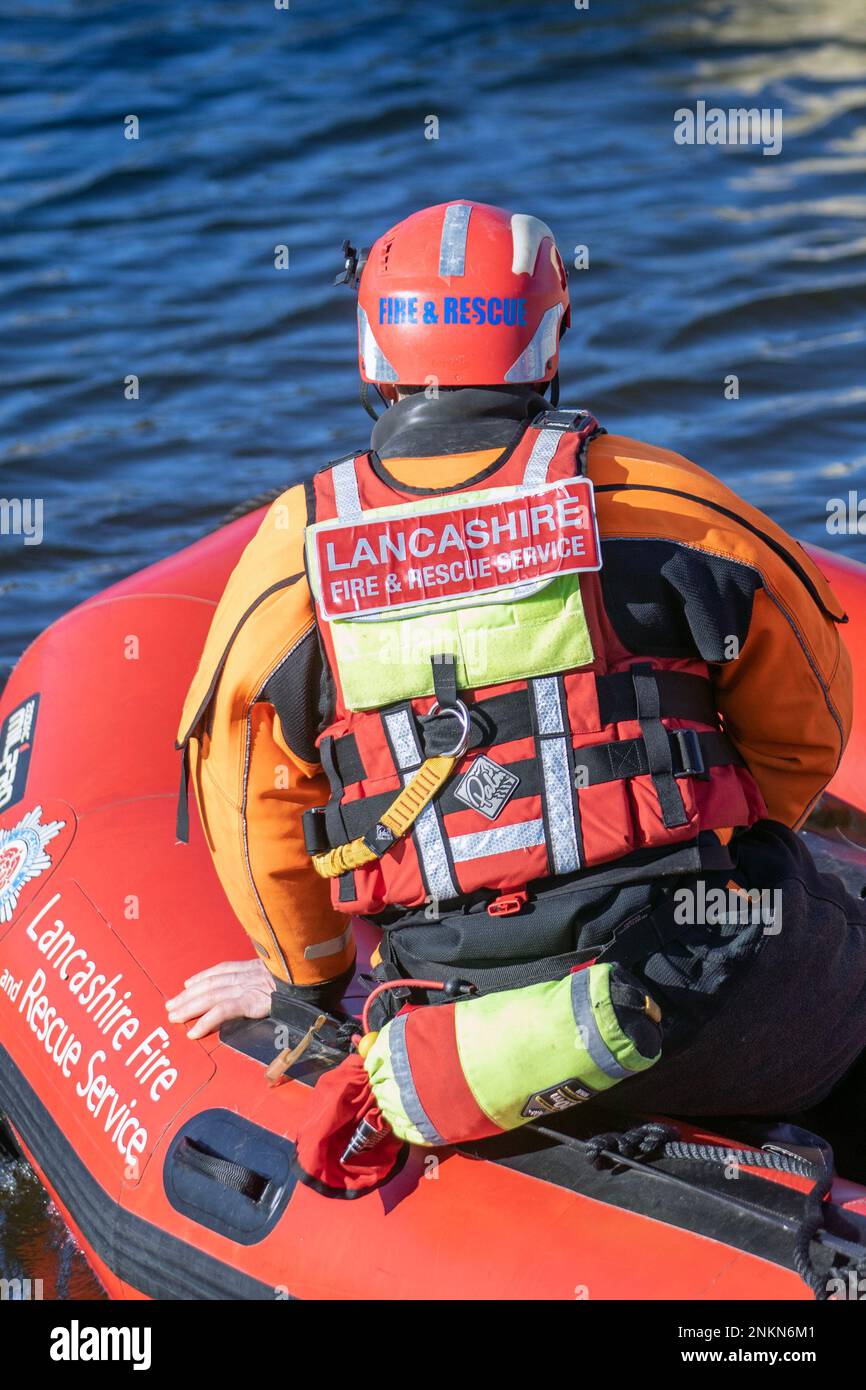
[[235, 989]]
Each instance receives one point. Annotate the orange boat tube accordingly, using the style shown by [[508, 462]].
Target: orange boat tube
[[171, 1159]]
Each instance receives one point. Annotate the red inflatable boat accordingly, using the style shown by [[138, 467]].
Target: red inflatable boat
[[171, 1160]]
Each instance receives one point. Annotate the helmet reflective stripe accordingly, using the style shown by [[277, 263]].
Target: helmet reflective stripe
[[531, 365], [376, 365], [426, 832], [584, 1011], [452, 248], [527, 234], [556, 774]]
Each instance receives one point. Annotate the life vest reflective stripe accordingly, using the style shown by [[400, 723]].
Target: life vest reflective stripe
[[482, 1066], [346, 496], [580, 753], [428, 836], [557, 774]]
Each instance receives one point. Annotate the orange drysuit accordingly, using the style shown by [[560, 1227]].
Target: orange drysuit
[[781, 674]]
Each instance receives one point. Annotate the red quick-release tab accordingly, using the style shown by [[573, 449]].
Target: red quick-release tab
[[508, 904]]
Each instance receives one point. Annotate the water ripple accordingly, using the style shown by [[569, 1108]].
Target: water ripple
[[260, 127]]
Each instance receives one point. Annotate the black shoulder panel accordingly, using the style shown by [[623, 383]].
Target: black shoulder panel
[[293, 690], [666, 599]]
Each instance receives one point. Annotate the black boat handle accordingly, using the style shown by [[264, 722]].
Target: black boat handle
[[222, 1170]]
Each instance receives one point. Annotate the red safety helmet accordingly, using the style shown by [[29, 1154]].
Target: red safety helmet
[[465, 293]]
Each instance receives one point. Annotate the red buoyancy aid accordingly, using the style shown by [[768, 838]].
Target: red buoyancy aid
[[569, 767]]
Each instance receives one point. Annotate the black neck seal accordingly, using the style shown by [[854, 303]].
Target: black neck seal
[[455, 422]]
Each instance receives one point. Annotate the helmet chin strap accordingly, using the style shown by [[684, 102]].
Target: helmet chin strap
[[554, 390], [365, 400]]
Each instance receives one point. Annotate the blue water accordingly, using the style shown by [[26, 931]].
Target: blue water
[[260, 127]]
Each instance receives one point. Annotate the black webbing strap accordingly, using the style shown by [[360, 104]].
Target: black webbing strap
[[364, 394], [445, 680], [334, 824], [506, 718], [315, 830], [235, 1176], [689, 754], [346, 890], [502, 719], [590, 429], [692, 755], [681, 696], [348, 763], [182, 824], [658, 746]]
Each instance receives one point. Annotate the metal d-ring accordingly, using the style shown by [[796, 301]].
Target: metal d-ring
[[459, 711]]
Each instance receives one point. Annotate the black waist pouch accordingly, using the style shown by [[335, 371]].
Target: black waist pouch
[[686, 938], [555, 929]]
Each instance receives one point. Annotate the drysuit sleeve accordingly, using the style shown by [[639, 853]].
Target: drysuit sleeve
[[249, 726], [787, 702]]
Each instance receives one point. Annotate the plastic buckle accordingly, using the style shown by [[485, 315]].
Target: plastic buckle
[[564, 420], [315, 830], [508, 904], [691, 754]]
